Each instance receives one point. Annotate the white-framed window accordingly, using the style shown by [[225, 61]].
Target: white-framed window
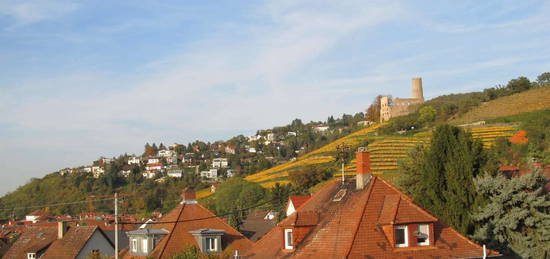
[[134, 245], [211, 244], [423, 235], [144, 246], [31, 255], [401, 236], [288, 239]]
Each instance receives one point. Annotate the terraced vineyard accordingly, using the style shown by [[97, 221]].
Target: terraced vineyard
[[322, 156], [488, 135], [386, 152]]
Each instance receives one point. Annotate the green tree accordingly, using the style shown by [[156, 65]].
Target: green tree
[[519, 84], [543, 79], [427, 115], [303, 179], [444, 173], [235, 195], [517, 217]]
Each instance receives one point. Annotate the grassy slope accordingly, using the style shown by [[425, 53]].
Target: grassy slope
[[532, 100]]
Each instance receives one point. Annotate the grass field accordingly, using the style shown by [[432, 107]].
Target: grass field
[[529, 101]]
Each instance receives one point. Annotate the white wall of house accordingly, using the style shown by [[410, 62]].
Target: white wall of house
[[290, 209]]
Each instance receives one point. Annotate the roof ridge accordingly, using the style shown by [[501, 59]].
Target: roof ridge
[[171, 232], [410, 200], [371, 187]]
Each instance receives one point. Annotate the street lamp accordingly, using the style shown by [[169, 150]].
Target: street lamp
[[343, 152]]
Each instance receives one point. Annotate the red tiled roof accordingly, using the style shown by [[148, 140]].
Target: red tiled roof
[[297, 201], [154, 165], [351, 227], [34, 240], [193, 216], [72, 242]]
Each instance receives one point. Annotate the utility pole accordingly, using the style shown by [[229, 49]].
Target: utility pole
[[116, 225], [343, 150]]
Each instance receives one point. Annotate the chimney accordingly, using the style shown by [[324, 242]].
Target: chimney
[[61, 229], [362, 158], [188, 196]]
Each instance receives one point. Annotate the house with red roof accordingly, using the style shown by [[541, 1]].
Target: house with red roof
[[60, 241], [294, 203], [365, 217], [189, 224]]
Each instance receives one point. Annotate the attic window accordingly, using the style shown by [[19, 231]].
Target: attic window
[[31, 255], [401, 237], [423, 235], [288, 239]]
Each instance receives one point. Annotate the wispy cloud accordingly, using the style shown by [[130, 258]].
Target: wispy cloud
[[25, 12]]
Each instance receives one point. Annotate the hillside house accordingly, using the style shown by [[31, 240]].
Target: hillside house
[[230, 149], [220, 163], [60, 242], [365, 217], [97, 171], [251, 150], [153, 160], [291, 134], [36, 216], [210, 234], [86, 169], [211, 174], [320, 128], [149, 174], [134, 160], [166, 153], [175, 173], [154, 167]]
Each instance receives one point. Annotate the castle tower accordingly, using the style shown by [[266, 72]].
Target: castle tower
[[417, 92]]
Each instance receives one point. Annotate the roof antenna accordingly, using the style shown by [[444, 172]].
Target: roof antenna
[[343, 152]]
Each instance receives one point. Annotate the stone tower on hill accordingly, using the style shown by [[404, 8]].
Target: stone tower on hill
[[402, 106]]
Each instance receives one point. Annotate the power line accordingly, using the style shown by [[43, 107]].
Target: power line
[[197, 219], [54, 204]]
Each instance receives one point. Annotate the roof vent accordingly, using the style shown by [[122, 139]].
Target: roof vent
[[340, 195]]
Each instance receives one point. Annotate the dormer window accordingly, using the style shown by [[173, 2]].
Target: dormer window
[[288, 239], [211, 244], [401, 236], [209, 240], [423, 235], [134, 245], [31, 255]]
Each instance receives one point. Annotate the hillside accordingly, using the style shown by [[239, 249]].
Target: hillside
[[386, 152], [528, 101]]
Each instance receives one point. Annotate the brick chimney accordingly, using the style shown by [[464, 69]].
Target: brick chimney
[[61, 229], [362, 158], [188, 196]]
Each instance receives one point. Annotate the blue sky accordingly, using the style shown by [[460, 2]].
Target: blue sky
[[83, 79]]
